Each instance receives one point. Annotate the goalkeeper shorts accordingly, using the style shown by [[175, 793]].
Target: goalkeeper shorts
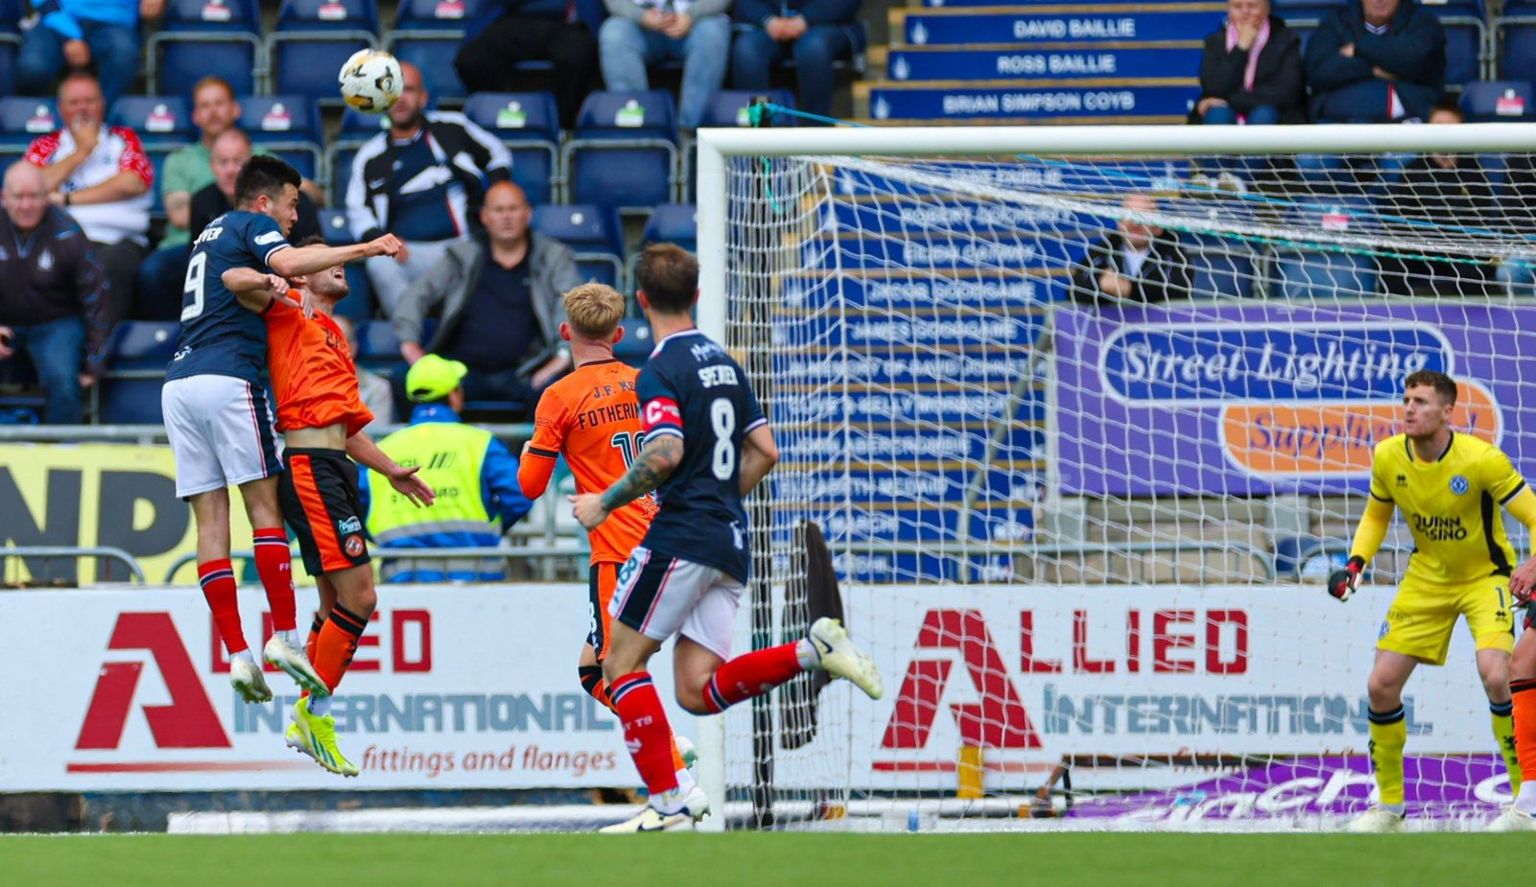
[[1423, 615]]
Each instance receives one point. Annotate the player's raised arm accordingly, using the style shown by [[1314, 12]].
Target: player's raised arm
[[300, 260], [1367, 541]]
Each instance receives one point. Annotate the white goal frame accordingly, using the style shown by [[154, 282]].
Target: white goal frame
[[716, 145]]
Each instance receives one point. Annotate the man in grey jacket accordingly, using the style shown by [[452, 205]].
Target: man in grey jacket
[[638, 33], [500, 304]]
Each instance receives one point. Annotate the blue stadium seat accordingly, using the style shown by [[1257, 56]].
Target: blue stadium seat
[[1223, 269], [199, 38], [379, 350], [594, 234], [1492, 101], [728, 107], [673, 223], [427, 34], [637, 343], [1515, 35], [333, 224], [285, 125], [314, 37], [164, 119], [24, 118], [136, 357], [157, 155], [529, 125], [1315, 274], [623, 152]]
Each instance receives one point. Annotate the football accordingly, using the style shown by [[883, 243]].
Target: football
[[370, 81]]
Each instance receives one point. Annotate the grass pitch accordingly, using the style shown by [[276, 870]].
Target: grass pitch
[[774, 858]]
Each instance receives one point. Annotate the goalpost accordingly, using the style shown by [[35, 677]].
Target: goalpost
[[1084, 537]]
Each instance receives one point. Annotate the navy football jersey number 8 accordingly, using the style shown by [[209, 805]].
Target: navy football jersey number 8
[[692, 389], [218, 335]]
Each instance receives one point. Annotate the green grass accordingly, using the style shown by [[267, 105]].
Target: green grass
[[783, 860]]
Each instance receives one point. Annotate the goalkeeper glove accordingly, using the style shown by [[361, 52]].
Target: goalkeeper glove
[[1343, 582]]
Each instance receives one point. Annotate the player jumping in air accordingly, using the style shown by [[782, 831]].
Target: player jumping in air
[[1449, 487], [707, 444], [592, 417], [218, 420], [321, 415]]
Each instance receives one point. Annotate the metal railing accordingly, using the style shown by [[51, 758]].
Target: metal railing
[[1173, 548], [148, 434], [73, 552], [504, 553]]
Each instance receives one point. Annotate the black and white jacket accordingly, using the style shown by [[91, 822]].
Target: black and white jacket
[[473, 158]]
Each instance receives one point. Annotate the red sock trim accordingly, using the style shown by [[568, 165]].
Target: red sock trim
[[751, 674], [220, 591]]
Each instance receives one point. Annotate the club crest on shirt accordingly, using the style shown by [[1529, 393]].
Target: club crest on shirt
[[45, 261], [1459, 485]]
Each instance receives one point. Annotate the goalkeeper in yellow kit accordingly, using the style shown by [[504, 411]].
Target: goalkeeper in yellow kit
[[1449, 487]]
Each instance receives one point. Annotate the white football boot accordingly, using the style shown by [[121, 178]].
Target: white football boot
[[246, 677], [295, 662], [840, 658], [1376, 821], [1513, 819]]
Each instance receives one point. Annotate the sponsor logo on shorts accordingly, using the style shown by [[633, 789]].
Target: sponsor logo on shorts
[[1459, 485], [353, 545], [350, 525]]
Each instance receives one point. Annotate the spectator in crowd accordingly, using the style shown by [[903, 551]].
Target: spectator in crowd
[[230, 152], [500, 300], [404, 179], [101, 176], [378, 396], [1376, 61], [1251, 70], [643, 32], [1440, 193], [475, 476], [54, 304], [1139, 263], [815, 33], [187, 170], [510, 31], [84, 35]]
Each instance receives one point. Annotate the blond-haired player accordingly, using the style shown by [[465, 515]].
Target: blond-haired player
[[592, 417], [1449, 488]]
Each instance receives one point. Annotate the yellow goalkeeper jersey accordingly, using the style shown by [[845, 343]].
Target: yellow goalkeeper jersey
[[1452, 506]]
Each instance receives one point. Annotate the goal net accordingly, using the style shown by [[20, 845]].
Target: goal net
[[1084, 429]]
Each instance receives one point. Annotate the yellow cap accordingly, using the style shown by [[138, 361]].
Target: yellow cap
[[433, 378]]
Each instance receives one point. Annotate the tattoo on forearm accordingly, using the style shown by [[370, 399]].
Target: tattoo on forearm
[[656, 461]]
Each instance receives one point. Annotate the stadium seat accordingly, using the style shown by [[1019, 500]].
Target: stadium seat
[[378, 349], [162, 120], [594, 234], [1493, 101], [1515, 36], [333, 224], [157, 155], [623, 152], [528, 124], [669, 223], [637, 343], [136, 357], [200, 38], [1223, 269], [1311, 274], [427, 34], [356, 128], [285, 125], [729, 107], [358, 305], [314, 37], [24, 118]]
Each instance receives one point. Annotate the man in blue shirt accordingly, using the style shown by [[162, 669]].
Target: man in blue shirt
[[475, 476], [506, 32], [84, 34], [815, 33]]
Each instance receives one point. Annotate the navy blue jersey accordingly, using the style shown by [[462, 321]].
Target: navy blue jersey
[[218, 336], [692, 389]]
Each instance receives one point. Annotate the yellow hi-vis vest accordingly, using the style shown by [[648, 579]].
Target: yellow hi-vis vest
[[450, 455]]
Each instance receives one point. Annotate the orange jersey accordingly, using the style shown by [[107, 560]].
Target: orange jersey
[[313, 376], [592, 417]]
